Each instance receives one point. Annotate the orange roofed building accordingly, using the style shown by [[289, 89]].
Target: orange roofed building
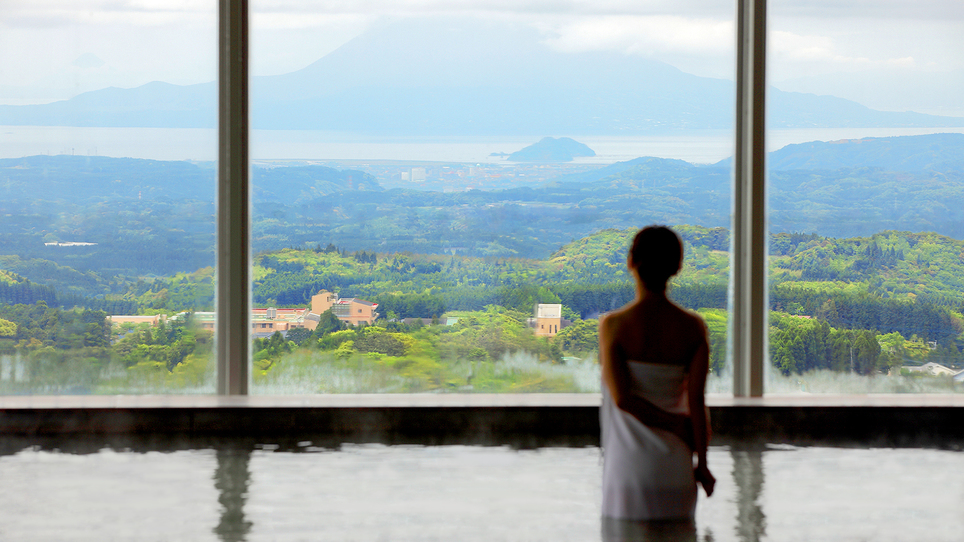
[[265, 322], [350, 309]]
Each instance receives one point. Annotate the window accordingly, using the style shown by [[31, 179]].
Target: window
[[384, 178], [107, 265], [467, 183], [864, 294]]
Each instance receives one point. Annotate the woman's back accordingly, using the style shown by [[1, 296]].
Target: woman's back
[[656, 330]]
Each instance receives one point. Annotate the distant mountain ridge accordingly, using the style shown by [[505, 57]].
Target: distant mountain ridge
[[123, 204], [930, 152], [99, 178], [488, 79]]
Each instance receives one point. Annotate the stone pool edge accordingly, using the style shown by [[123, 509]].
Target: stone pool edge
[[523, 420]]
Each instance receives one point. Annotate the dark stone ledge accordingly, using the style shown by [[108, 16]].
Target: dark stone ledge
[[82, 424]]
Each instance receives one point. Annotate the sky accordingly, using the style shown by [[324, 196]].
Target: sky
[[887, 54]]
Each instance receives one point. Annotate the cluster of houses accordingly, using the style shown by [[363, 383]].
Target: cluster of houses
[[265, 322], [546, 322], [935, 369]]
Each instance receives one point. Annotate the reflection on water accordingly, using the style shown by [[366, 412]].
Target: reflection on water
[[246, 492], [614, 530], [748, 477], [231, 480]]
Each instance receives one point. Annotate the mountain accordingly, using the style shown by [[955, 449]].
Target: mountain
[[88, 179], [932, 152], [464, 77], [125, 205], [154, 105], [550, 149]]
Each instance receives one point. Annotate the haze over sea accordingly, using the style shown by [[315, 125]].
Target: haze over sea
[[697, 146]]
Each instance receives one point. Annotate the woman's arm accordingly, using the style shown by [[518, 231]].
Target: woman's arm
[[615, 375], [696, 393]]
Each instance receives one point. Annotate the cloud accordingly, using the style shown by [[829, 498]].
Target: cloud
[[906, 62], [57, 13], [788, 47], [280, 20], [939, 10], [807, 48], [502, 7], [173, 40], [931, 9], [645, 35]]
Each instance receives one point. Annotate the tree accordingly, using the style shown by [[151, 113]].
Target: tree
[[298, 335], [582, 336], [856, 351], [7, 328], [892, 351], [327, 323], [380, 342]]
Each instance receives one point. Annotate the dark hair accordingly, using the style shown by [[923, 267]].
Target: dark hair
[[657, 254]]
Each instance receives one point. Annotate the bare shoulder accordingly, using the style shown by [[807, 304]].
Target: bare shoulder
[[697, 320], [611, 320], [693, 322], [609, 325]]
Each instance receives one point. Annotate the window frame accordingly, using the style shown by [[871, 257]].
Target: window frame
[[748, 248], [233, 293]]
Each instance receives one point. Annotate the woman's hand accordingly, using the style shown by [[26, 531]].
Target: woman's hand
[[705, 478]]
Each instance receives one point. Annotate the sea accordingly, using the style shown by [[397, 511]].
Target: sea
[[697, 146]]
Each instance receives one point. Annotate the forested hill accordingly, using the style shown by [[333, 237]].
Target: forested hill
[[645, 166], [889, 267], [920, 153], [144, 217], [932, 152], [99, 178], [891, 283], [864, 305]]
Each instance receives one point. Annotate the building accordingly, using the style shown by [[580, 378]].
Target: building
[[153, 320], [933, 369], [264, 322], [548, 320], [350, 309]]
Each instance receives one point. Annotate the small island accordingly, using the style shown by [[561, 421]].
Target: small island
[[551, 149]]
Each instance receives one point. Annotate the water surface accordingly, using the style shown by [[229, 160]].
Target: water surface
[[418, 493]]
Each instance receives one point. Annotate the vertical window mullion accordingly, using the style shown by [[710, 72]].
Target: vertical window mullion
[[748, 323], [233, 275]]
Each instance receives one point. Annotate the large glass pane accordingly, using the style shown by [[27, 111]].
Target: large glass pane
[[107, 149], [444, 197], [867, 132]]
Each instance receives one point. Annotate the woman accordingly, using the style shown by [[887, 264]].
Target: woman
[[655, 357]]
